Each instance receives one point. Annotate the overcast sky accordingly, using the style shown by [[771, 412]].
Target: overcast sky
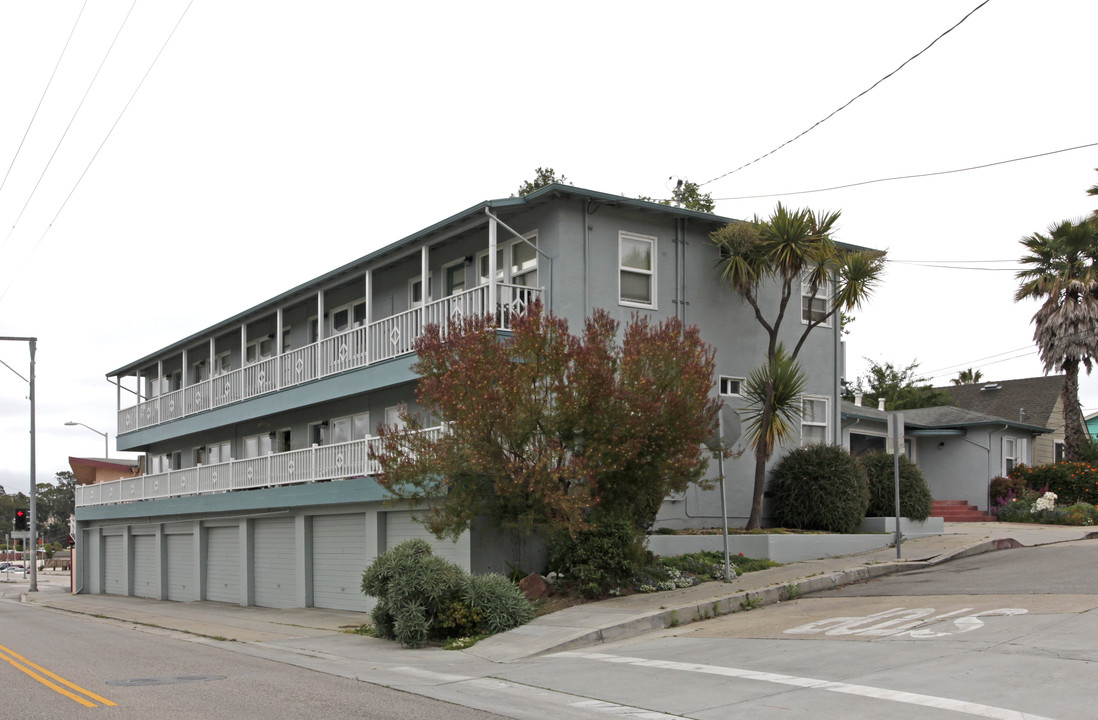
[[271, 142]]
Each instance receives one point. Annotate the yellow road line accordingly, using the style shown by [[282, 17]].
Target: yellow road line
[[47, 683]]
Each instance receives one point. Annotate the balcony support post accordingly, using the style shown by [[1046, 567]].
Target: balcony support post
[[492, 289]]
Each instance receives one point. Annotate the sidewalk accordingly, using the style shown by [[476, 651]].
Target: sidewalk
[[578, 626]]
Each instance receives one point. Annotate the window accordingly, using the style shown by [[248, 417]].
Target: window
[[352, 427], [222, 363], [258, 445], [258, 350], [214, 454], [1058, 451], [347, 317], [524, 263], [814, 305], [814, 426], [415, 290], [730, 386], [287, 339], [482, 266], [393, 416], [1014, 453], [200, 371], [636, 270]]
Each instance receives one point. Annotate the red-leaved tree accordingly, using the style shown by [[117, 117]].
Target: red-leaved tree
[[545, 430]]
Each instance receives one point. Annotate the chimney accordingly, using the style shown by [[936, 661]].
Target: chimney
[[881, 404], [858, 398]]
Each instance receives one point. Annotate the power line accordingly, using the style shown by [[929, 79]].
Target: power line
[[849, 102], [99, 149], [40, 101], [951, 267], [911, 177]]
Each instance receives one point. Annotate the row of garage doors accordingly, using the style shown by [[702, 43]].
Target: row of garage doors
[[339, 555]]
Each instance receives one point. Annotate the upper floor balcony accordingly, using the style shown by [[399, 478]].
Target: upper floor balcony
[[201, 379]]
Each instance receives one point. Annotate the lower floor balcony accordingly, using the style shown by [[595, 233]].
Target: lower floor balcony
[[357, 458]]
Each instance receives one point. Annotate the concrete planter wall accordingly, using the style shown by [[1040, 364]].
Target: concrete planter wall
[[910, 528]]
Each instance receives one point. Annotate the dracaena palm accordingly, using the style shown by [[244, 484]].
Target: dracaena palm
[[1061, 271], [788, 248]]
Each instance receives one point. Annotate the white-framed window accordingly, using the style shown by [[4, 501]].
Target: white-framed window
[[1057, 451], [318, 433], [347, 317], [314, 330], [287, 339], [453, 277], [815, 428], [222, 363], [814, 305], [257, 350], [200, 371], [415, 290], [393, 416], [636, 270], [1014, 453], [482, 266], [258, 445], [731, 386], [351, 427], [213, 453], [516, 262]]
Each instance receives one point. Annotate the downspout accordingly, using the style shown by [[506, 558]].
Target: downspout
[[682, 245], [586, 257], [539, 251], [837, 411]]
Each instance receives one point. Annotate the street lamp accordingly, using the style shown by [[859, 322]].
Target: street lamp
[[106, 444]]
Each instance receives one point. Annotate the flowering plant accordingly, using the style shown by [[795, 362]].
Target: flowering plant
[[1045, 502]]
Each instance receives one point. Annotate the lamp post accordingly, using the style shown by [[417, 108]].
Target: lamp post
[[106, 444]]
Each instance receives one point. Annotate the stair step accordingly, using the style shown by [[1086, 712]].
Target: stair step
[[959, 511]]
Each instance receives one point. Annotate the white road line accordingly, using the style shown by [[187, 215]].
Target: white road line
[[985, 711]]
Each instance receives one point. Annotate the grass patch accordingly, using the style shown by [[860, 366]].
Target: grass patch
[[365, 629]]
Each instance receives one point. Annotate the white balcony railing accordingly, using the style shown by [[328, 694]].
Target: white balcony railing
[[378, 341], [357, 458]]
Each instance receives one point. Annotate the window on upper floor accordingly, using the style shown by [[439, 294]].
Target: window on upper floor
[[257, 350], [516, 262], [730, 386], [351, 427], [415, 290], [814, 420], [453, 276], [815, 301], [347, 317], [258, 445], [636, 270]]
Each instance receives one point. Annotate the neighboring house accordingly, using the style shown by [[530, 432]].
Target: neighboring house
[[89, 471], [1036, 401], [244, 424], [959, 451], [1092, 426]]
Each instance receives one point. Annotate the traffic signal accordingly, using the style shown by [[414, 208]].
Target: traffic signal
[[22, 520]]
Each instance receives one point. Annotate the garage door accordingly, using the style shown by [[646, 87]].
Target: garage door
[[114, 565], [223, 564], [275, 572], [146, 576], [339, 556], [181, 584], [399, 526]]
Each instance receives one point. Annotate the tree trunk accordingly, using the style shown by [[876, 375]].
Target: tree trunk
[[1073, 416], [754, 522]]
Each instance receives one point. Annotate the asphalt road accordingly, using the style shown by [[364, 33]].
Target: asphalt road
[[1010, 635], [69, 666]]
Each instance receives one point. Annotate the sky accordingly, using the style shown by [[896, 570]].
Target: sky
[[225, 152]]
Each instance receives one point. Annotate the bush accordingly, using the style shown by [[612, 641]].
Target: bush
[[914, 494], [422, 597], [1017, 507], [1071, 481], [597, 560], [820, 487], [1080, 514], [1001, 487]]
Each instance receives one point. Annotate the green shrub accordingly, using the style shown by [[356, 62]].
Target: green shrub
[[881, 475], [1071, 481], [1001, 487], [422, 597], [820, 487], [1017, 507], [597, 560], [1080, 514]]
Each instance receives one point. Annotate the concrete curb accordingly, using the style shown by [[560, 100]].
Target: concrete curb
[[782, 592]]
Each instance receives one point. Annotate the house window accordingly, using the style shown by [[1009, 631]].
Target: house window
[[636, 270], [258, 350], [258, 445], [393, 417], [1014, 453], [482, 266], [213, 454], [352, 427], [524, 262], [347, 317], [415, 290], [814, 426], [1058, 451], [200, 371], [814, 305], [730, 386], [222, 363], [287, 339]]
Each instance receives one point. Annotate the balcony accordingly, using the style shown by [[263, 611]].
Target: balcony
[[325, 462], [374, 342]]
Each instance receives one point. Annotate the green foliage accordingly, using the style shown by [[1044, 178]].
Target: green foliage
[[422, 597], [1071, 481], [542, 177], [820, 487], [773, 393], [594, 561], [687, 195], [967, 377], [901, 389], [1002, 487], [551, 430], [1088, 452], [1080, 514], [915, 496]]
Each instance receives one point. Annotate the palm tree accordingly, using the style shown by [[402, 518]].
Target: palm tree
[[967, 377], [1062, 272], [791, 247]]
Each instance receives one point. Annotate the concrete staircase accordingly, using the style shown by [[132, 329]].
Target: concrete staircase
[[958, 511]]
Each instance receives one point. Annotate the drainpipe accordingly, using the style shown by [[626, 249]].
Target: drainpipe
[[837, 410], [586, 257]]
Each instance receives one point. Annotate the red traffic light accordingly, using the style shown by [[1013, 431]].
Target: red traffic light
[[22, 522]]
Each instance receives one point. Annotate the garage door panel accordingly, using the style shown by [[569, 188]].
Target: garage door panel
[[114, 567], [146, 575], [400, 526], [275, 573], [181, 584], [223, 564], [339, 557]]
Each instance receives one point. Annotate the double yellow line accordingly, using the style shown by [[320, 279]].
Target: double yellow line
[[21, 663]]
